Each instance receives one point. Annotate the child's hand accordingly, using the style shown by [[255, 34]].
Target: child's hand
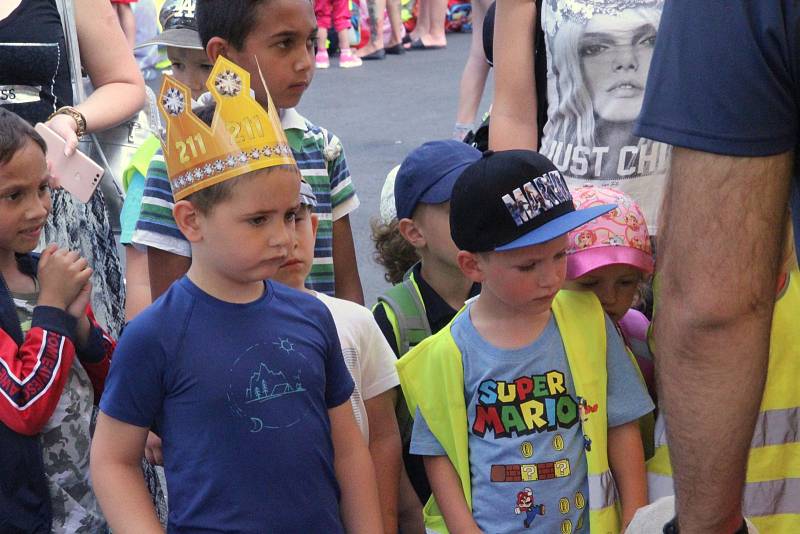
[[78, 310], [78, 307], [152, 449], [63, 275]]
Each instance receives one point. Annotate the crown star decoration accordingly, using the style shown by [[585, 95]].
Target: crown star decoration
[[243, 136]]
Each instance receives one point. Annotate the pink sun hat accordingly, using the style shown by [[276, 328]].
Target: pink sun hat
[[618, 237]]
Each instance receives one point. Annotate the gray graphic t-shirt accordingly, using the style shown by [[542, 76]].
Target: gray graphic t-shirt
[[598, 58], [526, 444]]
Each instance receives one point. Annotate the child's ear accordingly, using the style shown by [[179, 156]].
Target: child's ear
[[471, 265], [217, 46], [188, 220], [314, 225], [411, 233]]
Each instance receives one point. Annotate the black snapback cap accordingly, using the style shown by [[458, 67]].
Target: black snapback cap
[[513, 199]]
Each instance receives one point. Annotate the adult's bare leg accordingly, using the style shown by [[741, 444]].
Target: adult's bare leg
[[396, 21], [375, 9], [437, 13], [712, 325], [423, 16]]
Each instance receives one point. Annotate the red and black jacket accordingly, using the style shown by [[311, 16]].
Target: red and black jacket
[[33, 371]]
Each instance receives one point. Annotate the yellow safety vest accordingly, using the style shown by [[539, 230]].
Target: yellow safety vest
[[773, 470], [140, 160], [432, 378]]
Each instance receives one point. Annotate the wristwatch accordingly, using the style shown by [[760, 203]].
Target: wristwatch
[[80, 120], [672, 527]]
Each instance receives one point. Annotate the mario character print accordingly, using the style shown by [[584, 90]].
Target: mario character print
[[525, 505]]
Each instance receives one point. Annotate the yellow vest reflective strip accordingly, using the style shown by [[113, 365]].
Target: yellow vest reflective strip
[[772, 492], [432, 378], [773, 427], [777, 427], [772, 497]]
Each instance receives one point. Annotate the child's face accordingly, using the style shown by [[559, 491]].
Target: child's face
[[615, 285], [248, 236], [191, 68], [526, 279], [24, 199], [283, 41], [433, 220], [295, 269]]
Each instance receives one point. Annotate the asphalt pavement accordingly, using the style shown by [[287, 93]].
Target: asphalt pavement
[[381, 111]]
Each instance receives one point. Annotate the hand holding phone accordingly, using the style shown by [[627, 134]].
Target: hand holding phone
[[78, 174]]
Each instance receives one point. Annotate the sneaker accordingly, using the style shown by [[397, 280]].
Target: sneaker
[[348, 60], [321, 59]]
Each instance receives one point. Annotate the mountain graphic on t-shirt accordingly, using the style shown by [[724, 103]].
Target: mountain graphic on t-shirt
[[266, 384]]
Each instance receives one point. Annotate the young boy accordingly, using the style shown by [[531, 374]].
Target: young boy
[[367, 355], [53, 356], [190, 66], [244, 379], [527, 403], [274, 38], [433, 289]]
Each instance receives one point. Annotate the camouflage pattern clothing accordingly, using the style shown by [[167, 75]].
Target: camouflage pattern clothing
[[65, 445]]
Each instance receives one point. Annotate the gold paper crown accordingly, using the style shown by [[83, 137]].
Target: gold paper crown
[[243, 136]]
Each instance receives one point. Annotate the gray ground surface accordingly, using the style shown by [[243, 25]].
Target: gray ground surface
[[381, 111]]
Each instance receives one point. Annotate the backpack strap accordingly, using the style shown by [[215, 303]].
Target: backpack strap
[[411, 322]]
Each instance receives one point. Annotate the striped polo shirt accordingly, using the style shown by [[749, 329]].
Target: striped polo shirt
[[320, 157]]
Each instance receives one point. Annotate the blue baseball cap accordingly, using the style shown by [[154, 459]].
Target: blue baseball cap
[[513, 199], [428, 174]]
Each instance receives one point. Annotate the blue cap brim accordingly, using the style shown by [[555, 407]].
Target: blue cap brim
[[557, 227]]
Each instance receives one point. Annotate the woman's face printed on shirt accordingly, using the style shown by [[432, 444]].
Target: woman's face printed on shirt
[[615, 53]]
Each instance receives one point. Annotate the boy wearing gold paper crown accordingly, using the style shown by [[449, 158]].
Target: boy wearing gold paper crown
[[277, 37], [244, 379]]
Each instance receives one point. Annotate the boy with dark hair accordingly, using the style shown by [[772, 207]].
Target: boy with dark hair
[[527, 404], [244, 379], [53, 356], [275, 39]]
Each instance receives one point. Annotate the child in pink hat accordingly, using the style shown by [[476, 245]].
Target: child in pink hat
[[612, 256]]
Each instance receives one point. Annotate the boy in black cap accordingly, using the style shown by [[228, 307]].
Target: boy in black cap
[[527, 403]]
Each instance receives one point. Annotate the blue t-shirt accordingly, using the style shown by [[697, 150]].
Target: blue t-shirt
[[526, 446], [240, 395], [725, 78]]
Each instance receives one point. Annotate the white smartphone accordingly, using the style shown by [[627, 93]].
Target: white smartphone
[[78, 174]]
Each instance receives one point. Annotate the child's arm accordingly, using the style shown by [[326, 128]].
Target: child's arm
[[514, 110], [343, 202], [165, 267], [449, 495], [386, 451], [348, 283], [33, 375], [117, 478], [359, 502], [626, 459], [168, 251]]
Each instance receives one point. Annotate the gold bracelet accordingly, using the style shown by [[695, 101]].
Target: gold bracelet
[[76, 115]]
